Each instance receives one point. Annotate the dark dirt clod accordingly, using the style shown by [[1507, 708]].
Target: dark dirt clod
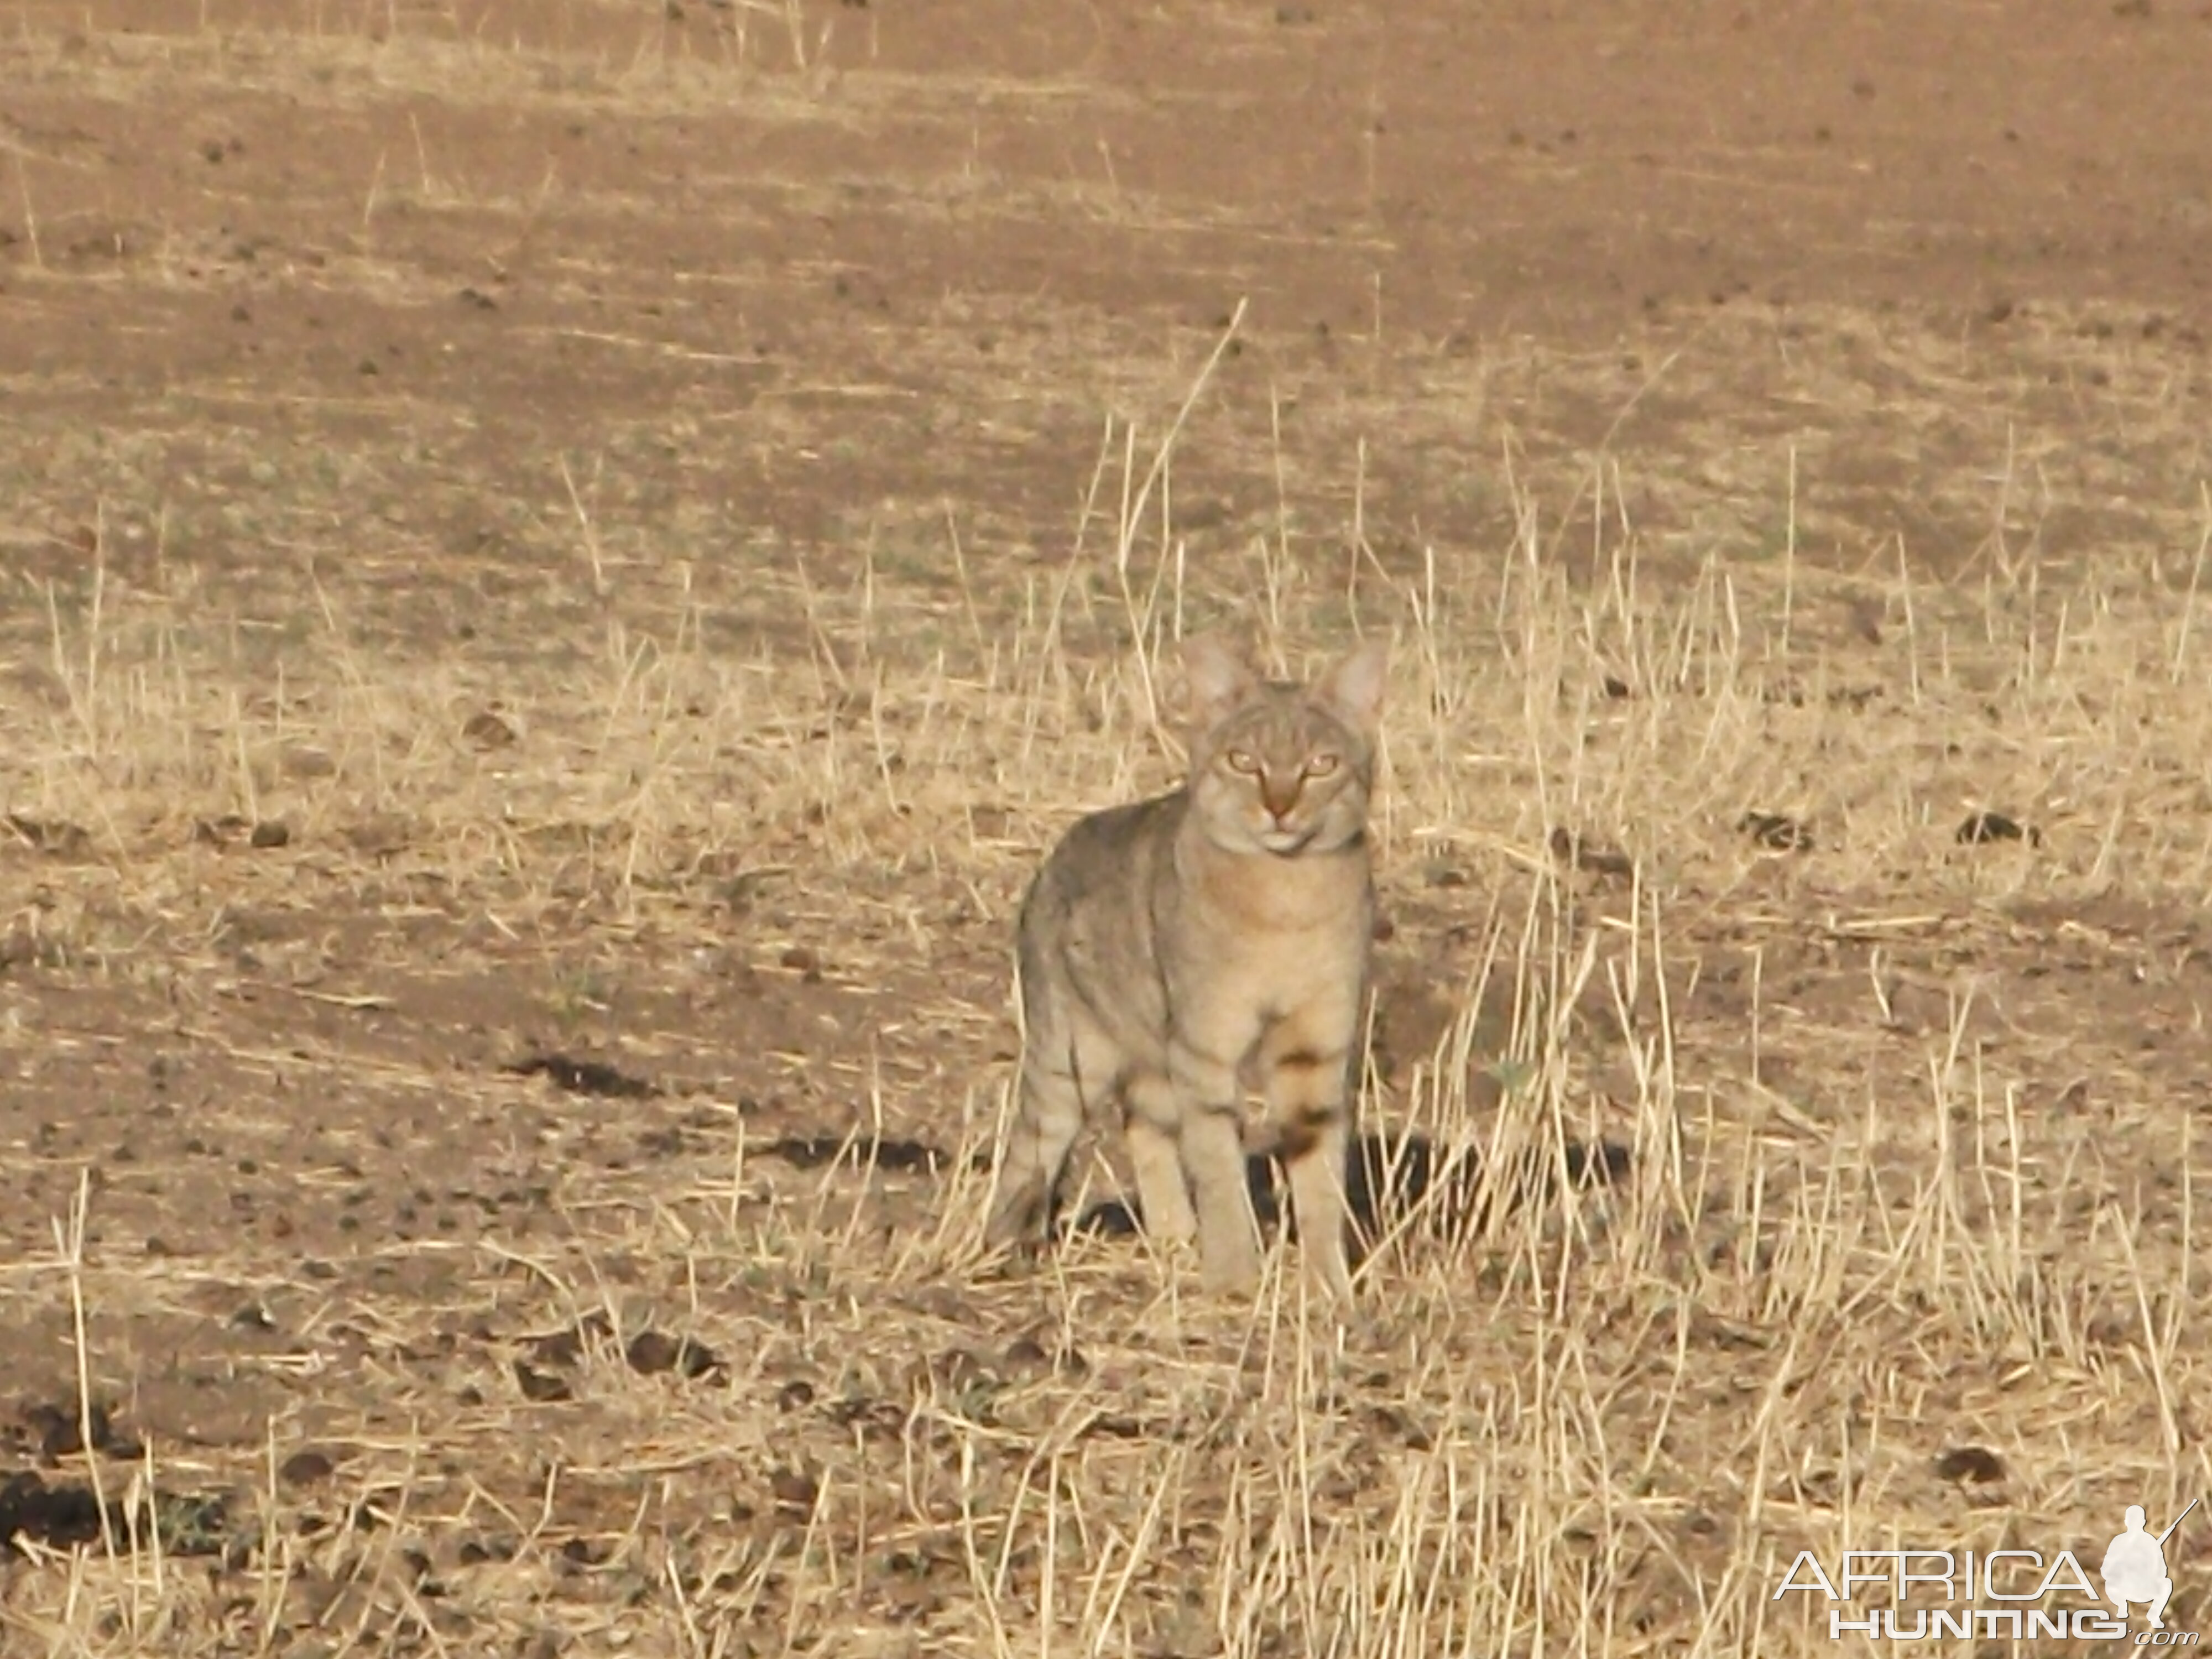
[[230, 829], [877, 1419], [1399, 1425], [67, 1515], [651, 1352], [57, 1431], [583, 1076], [486, 729], [1981, 827], [795, 1490], [1776, 832], [60, 1517], [539, 1387], [1971, 1465], [1571, 848], [308, 1467], [1112, 1425]]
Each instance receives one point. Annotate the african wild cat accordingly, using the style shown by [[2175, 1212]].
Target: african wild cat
[[1175, 954]]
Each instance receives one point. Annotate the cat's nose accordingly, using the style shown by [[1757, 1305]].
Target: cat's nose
[[1279, 796]]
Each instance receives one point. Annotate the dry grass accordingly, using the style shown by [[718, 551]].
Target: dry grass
[[1913, 1169], [1857, 1235]]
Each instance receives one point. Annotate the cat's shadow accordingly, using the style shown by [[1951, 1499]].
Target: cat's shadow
[[1391, 1178]]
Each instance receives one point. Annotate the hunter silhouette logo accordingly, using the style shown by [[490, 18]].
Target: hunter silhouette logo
[[2135, 1567], [1913, 1595]]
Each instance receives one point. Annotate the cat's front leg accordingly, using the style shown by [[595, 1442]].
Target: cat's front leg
[[1212, 1142], [1307, 1082], [1153, 1120]]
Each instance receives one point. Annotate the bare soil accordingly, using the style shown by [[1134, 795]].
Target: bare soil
[[561, 563]]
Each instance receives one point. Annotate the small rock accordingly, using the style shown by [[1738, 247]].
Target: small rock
[[1975, 1465], [796, 1491], [306, 1468], [1776, 832], [539, 1387], [651, 1352], [486, 729], [1981, 827]]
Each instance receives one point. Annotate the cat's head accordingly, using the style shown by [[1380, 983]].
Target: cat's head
[[1281, 767]]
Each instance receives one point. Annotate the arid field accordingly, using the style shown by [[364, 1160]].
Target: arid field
[[562, 561]]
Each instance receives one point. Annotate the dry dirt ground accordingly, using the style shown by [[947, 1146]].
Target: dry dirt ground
[[560, 562]]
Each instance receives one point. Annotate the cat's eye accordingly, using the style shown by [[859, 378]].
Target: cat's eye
[[1242, 760], [1320, 766]]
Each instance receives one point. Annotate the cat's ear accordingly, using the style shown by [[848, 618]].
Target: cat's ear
[[1216, 678], [1353, 689]]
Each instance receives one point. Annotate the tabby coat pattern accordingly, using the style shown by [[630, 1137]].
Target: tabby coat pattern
[[1179, 954]]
